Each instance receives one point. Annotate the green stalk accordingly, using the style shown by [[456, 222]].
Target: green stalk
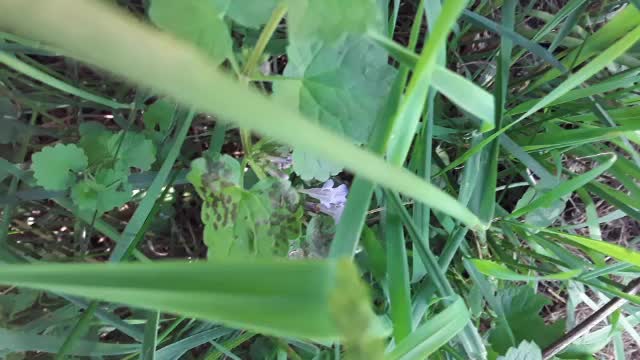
[[252, 62], [265, 36]]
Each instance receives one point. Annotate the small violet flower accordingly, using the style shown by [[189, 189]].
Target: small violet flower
[[332, 200]]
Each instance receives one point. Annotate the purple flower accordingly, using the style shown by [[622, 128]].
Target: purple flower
[[331, 199]]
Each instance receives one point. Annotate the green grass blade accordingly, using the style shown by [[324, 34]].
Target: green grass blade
[[595, 89], [563, 138], [615, 251], [78, 331], [179, 348], [489, 176], [136, 223], [517, 39], [22, 342], [398, 277], [436, 332], [150, 336], [408, 114], [470, 338], [36, 74], [158, 61], [460, 90], [597, 64], [623, 23], [266, 296], [467, 95], [502, 272], [564, 188]]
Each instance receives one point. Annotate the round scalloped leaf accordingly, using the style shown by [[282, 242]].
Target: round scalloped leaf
[[159, 116], [108, 191], [94, 140], [85, 194], [54, 166], [135, 150]]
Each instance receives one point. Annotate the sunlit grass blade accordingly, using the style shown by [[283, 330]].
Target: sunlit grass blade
[[502, 272], [564, 188], [158, 61], [563, 138], [266, 296], [613, 83], [597, 64], [623, 23], [615, 251], [23, 342], [435, 332], [460, 90], [407, 116]]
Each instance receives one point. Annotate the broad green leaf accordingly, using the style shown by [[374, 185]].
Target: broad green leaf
[[502, 272], [522, 307], [251, 13], [434, 333], [19, 341], [195, 21], [94, 140], [310, 167], [330, 20], [329, 76], [54, 166], [131, 149], [524, 351], [257, 222], [564, 188], [159, 116], [320, 231], [263, 296], [107, 191], [158, 62]]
